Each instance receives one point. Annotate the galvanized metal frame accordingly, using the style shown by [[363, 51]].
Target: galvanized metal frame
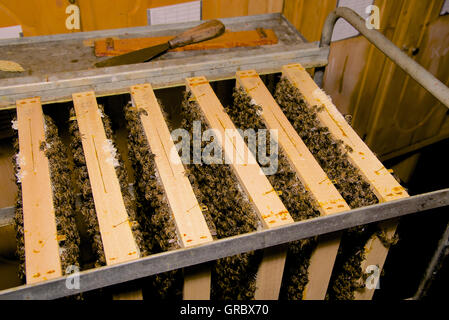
[[158, 263]]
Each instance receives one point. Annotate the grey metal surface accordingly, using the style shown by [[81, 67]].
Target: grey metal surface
[[45, 55], [60, 65], [116, 80], [110, 275], [438, 89]]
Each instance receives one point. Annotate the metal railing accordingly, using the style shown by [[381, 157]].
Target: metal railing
[[410, 66]]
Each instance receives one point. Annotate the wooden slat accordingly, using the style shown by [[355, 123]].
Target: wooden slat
[[189, 220], [312, 176], [269, 274], [383, 184], [42, 261], [269, 207], [8, 188], [197, 283], [118, 241]]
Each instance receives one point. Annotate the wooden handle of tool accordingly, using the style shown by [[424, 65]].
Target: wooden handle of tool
[[205, 31]]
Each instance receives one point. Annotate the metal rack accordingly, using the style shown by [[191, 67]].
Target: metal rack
[[171, 71]]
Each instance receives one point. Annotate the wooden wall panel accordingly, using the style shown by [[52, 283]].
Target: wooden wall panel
[[37, 17], [346, 72], [112, 14], [43, 17], [224, 9], [267, 6], [364, 94], [355, 67], [435, 57], [308, 16], [393, 114]]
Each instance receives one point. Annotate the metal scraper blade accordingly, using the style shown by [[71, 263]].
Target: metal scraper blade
[[137, 56]]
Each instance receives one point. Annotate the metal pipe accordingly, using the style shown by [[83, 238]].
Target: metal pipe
[[158, 263], [438, 89]]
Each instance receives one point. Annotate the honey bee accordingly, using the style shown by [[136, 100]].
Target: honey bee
[[42, 146]]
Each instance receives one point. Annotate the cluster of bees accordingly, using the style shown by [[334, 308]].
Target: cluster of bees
[[63, 202], [295, 197], [63, 196], [18, 217], [332, 157], [158, 224], [228, 213], [82, 184]]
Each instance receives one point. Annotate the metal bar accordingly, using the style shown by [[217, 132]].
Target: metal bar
[[435, 265], [110, 275], [437, 88]]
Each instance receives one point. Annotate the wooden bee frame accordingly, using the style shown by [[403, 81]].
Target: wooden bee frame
[[42, 261], [190, 223], [383, 184], [314, 179]]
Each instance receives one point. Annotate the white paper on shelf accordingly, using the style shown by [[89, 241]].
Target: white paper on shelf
[[445, 8], [183, 12], [11, 32], [343, 30]]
